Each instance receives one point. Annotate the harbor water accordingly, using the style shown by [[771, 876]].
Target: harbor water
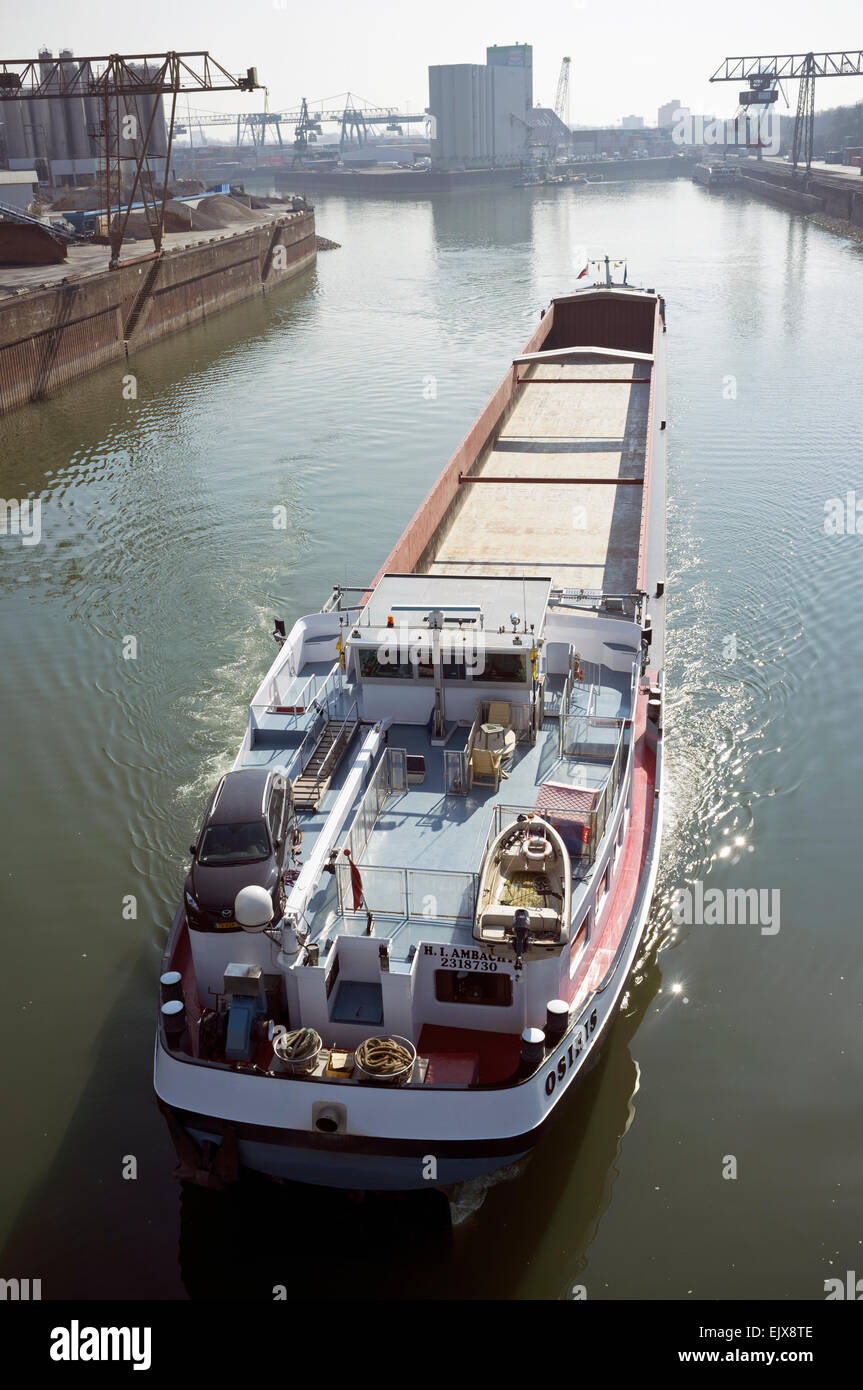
[[234, 474]]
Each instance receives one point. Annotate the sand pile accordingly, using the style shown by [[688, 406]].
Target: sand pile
[[227, 209]]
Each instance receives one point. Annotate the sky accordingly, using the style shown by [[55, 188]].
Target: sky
[[627, 58]]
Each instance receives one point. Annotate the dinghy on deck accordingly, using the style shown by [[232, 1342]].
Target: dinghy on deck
[[525, 887]]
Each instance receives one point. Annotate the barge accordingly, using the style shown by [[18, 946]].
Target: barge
[[716, 173], [416, 900]]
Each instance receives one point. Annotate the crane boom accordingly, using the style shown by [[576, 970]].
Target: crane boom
[[561, 101], [839, 63]]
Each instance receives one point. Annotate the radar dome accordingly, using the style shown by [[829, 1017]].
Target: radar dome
[[253, 908]]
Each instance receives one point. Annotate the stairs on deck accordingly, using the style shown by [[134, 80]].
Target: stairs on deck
[[317, 774]]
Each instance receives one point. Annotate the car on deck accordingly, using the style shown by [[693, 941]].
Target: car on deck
[[245, 839]]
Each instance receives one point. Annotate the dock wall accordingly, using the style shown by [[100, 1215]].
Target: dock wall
[[52, 336], [841, 199]]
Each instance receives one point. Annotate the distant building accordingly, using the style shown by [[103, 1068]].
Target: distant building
[[632, 123], [61, 137], [670, 113], [594, 142], [18, 188], [482, 114], [517, 55]]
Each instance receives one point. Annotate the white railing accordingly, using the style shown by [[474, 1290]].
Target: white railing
[[317, 689], [582, 830], [381, 783], [332, 757], [408, 894]]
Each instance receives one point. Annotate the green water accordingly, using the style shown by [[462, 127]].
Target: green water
[[340, 399]]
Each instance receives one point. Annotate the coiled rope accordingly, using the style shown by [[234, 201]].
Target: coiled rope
[[383, 1056], [298, 1044]]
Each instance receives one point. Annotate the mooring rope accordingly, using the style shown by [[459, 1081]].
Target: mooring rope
[[297, 1044], [383, 1056]]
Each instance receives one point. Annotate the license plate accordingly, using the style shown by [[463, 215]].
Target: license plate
[[225, 926]]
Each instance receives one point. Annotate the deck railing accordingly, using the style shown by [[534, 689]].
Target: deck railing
[[317, 689], [388, 776], [583, 829], [332, 757], [408, 894]]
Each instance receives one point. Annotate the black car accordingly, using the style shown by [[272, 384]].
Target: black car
[[245, 839]]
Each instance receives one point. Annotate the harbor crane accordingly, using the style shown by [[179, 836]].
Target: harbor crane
[[355, 119], [765, 72], [125, 133], [561, 101]]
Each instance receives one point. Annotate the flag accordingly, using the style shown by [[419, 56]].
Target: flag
[[356, 882], [581, 274]]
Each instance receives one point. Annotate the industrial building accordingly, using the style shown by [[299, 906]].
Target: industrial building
[[670, 113], [61, 138], [517, 55], [18, 189], [482, 113]]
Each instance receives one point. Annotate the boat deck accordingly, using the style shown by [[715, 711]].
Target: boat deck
[[557, 432]]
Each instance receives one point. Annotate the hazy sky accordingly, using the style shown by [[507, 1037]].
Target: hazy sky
[[627, 57]]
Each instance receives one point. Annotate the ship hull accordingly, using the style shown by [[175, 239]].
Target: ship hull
[[377, 1162]]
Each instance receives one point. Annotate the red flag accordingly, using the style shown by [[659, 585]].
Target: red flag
[[581, 274], [356, 882]]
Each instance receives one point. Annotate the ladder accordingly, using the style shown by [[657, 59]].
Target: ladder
[[318, 772]]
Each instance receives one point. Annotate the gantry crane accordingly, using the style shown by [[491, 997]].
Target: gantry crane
[[355, 119], [764, 72], [125, 134]]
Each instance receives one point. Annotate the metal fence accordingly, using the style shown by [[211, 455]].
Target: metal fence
[[390, 775], [317, 690], [409, 894], [582, 829]]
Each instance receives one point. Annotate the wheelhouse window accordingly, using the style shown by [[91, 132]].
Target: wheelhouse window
[[503, 668], [223, 845], [472, 987], [377, 663], [383, 663]]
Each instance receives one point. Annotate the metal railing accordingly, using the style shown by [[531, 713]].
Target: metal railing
[[577, 742], [408, 894], [387, 777], [565, 697], [332, 757], [317, 689], [582, 830], [313, 733], [599, 817]]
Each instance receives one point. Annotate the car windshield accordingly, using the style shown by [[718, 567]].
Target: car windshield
[[234, 844]]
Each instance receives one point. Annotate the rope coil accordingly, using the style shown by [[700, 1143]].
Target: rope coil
[[301, 1043], [384, 1056]]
